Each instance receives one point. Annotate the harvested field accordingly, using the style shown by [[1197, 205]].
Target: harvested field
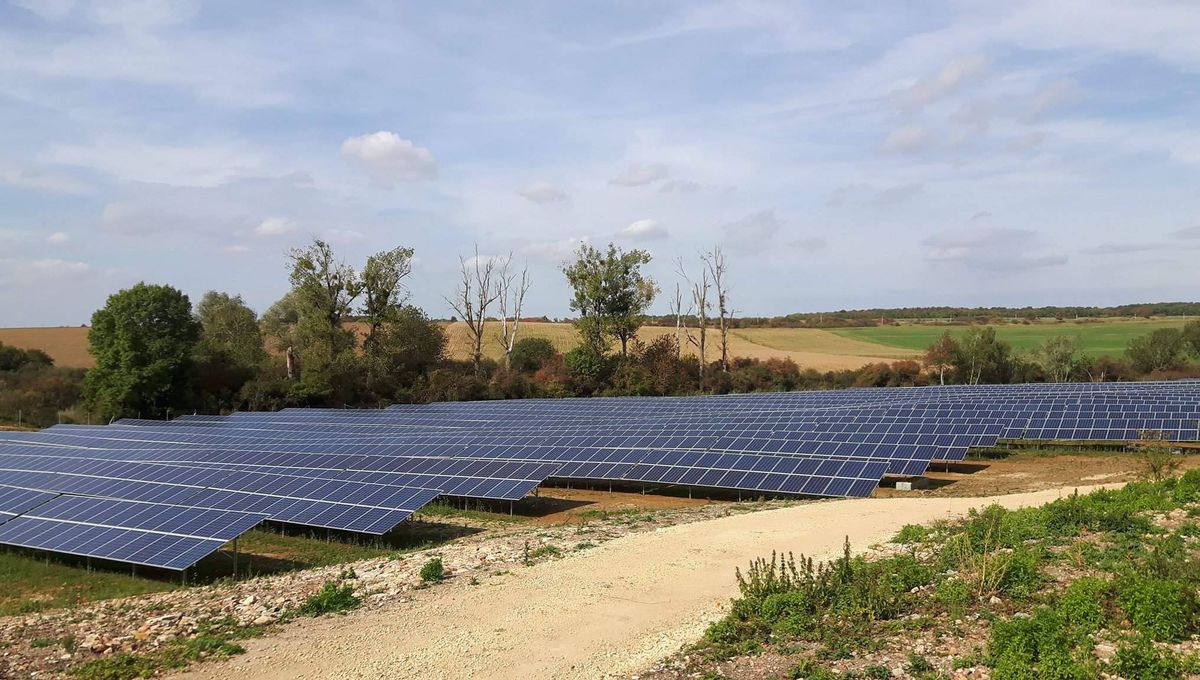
[[67, 345]]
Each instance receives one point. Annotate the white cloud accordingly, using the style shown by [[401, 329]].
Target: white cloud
[[1052, 97], [1111, 248], [983, 246], [754, 233], [553, 252], [908, 139], [810, 244], [48, 270], [683, 186], [51, 10], [41, 180], [1190, 232], [640, 174], [543, 192], [193, 166], [390, 159], [237, 249], [344, 236], [275, 226], [949, 79], [58, 238], [644, 230], [866, 194]]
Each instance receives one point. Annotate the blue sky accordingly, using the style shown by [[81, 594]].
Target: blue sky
[[844, 154]]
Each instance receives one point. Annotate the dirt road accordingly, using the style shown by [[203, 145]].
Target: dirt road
[[610, 611]]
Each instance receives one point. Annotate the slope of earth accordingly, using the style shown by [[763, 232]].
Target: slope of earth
[[610, 611], [1096, 338], [67, 345]]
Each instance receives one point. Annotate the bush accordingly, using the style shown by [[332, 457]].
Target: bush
[[433, 571], [1163, 609], [530, 354], [953, 593], [332, 598], [1142, 660], [911, 533], [1081, 605]]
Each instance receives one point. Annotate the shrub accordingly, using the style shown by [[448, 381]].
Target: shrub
[[953, 593], [332, 598], [911, 533], [1142, 660], [1081, 604], [1162, 609], [433, 571], [529, 354], [1022, 574]]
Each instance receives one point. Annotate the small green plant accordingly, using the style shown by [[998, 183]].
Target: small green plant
[[545, 551], [877, 672], [918, 664], [433, 571], [911, 533], [1142, 660], [808, 669], [1165, 610], [334, 597]]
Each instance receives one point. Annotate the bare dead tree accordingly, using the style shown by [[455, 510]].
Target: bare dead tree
[[700, 306], [511, 289], [475, 294], [677, 309], [714, 262]]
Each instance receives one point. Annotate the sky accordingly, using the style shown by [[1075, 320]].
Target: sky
[[843, 154]]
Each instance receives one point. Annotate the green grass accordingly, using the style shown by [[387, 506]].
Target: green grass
[[1096, 339], [33, 585], [1052, 580]]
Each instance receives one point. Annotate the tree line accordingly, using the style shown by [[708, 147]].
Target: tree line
[[350, 336]]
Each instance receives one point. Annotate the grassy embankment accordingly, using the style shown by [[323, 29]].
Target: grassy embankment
[[1101, 583]]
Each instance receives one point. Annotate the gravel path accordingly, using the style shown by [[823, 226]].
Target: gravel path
[[610, 611]]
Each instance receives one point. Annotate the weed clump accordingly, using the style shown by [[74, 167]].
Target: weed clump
[[433, 571], [334, 597]]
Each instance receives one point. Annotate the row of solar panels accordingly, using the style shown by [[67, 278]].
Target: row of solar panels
[[368, 470]]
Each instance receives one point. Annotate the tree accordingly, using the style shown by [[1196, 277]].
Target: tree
[[982, 358], [1191, 336], [230, 351], [1058, 356], [230, 328], [942, 354], [143, 340], [1159, 350], [530, 354], [512, 298], [611, 295], [475, 294], [700, 306], [714, 261], [323, 294], [382, 284]]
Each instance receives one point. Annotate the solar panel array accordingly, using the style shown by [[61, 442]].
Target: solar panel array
[[167, 493]]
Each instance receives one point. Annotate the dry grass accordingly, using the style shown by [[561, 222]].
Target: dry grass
[[67, 345], [810, 348]]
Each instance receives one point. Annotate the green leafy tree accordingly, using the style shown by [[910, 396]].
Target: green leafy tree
[[230, 328], [942, 354], [1191, 336], [982, 358], [611, 295], [530, 354], [143, 340], [323, 293], [230, 352], [1159, 350], [383, 291], [1058, 356]]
